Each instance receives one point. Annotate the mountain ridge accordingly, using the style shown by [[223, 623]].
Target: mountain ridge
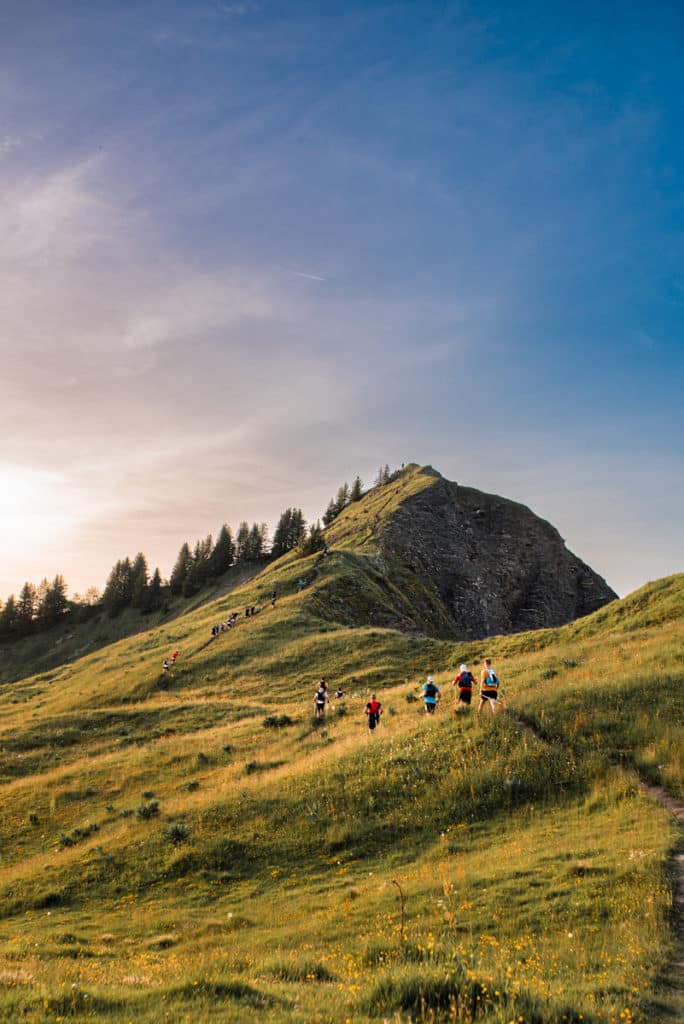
[[418, 554], [474, 564]]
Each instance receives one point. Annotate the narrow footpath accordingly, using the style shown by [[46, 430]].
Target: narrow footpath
[[675, 969]]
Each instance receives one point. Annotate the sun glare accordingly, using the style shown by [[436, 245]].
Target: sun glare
[[31, 506]]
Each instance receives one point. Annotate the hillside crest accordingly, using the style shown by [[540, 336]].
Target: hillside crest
[[436, 557]]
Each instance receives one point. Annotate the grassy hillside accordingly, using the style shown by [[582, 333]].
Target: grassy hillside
[[77, 636], [196, 848]]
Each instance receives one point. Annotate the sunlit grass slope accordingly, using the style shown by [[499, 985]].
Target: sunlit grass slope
[[72, 639], [195, 848]]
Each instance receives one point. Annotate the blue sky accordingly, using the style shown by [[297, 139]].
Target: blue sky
[[252, 249]]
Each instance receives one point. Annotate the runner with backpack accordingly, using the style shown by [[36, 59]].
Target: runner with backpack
[[431, 695], [489, 687], [373, 711], [321, 699], [464, 682]]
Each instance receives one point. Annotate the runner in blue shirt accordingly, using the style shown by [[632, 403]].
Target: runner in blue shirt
[[431, 694]]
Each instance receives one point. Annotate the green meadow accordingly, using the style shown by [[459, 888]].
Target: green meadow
[[195, 847]]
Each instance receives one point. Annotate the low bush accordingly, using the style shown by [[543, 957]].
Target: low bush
[[146, 811], [277, 722], [176, 833]]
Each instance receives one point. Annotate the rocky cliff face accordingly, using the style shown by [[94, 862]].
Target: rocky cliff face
[[492, 565]]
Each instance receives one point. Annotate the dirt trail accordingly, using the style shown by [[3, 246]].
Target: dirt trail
[[676, 808]]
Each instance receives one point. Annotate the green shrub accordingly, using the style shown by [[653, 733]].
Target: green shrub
[[261, 766], [176, 832], [146, 811], [277, 722]]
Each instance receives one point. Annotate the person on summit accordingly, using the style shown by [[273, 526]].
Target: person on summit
[[373, 711], [431, 695], [489, 687], [464, 683]]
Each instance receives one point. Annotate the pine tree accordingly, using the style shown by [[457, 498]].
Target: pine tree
[[139, 582], [118, 588], [336, 504], [313, 541], [289, 531], [41, 593], [54, 605], [111, 597], [180, 569], [198, 572], [331, 512], [26, 609], [202, 556], [255, 542], [357, 490], [297, 528], [342, 499], [282, 532], [242, 541], [155, 591], [223, 555], [8, 618]]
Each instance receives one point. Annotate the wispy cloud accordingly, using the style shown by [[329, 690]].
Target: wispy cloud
[[309, 277]]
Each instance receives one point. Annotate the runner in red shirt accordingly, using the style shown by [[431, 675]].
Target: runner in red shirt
[[373, 711]]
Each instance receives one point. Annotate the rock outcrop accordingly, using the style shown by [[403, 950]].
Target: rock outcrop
[[493, 564]]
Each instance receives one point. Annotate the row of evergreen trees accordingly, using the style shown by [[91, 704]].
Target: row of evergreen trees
[[344, 497], [130, 583], [36, 608]]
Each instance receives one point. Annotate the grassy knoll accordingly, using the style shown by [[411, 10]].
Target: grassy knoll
[[195, 848]]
